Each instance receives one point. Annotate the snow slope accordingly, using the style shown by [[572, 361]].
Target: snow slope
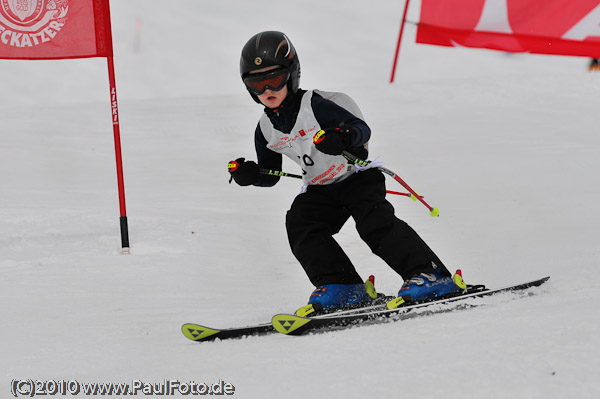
[[505, 145]]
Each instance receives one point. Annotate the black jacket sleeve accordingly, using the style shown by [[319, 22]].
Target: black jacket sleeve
[[331, 115], [267, 159]]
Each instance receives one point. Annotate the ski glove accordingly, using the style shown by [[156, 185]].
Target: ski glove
[[245, 173], [334, 141]]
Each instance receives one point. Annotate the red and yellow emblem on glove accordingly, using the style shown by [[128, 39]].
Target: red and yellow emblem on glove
[[320, 136], [232, 166]]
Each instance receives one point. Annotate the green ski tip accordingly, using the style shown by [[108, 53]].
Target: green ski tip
[[196, 332], [287, 323]]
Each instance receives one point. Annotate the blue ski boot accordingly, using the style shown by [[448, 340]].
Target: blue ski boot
[[339, 295], [329, 297], [430, 286]]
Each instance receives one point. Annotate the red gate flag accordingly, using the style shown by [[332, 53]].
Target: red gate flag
[[53, 29], [57, 29], [561, 27]]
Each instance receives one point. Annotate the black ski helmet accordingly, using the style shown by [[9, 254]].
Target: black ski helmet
[[270, 48]]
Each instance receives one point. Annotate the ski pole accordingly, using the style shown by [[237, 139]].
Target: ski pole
[[279, 173], [433, 211], [285, 174], [412, 197]]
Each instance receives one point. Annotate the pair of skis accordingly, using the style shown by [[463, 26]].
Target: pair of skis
[[290, 324]]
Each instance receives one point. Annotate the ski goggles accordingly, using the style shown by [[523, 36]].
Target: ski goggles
[[274, 80]]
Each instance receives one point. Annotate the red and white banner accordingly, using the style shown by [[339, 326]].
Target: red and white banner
[[52, 29], [562, 27]]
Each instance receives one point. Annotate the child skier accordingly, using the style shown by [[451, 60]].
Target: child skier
[[335, 189]]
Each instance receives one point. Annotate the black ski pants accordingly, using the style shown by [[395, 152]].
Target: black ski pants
[[319, 213]]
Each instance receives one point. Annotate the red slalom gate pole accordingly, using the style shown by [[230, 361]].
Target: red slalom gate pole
[[399, 41], [119, 157]]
